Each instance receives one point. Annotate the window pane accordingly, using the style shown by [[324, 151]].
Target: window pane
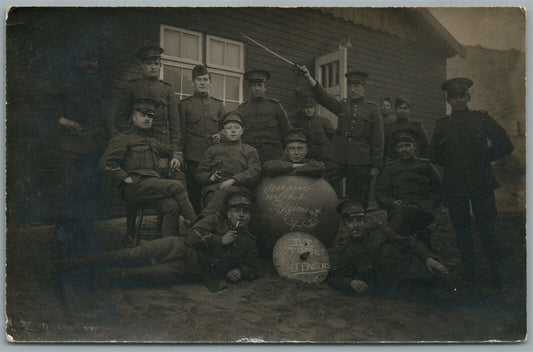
[[231, 106], [190, 47], [217, 86], [216, 52], [188, 87], [172, 43], [172, 75], [336, 73], [233, 55], [323, 75], [330, 75], [232, 88]]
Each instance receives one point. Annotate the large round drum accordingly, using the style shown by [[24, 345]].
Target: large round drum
[[302, 257], [294, 203]]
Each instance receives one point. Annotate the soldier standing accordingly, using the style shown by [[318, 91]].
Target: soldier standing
[[356, 150], [387, 115], [166, 124], [460, 145], [75, 105], [201, 116], [319, 129], [264, 118], [403, 110]]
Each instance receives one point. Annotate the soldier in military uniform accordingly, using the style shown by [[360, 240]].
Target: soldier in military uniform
[[294, 160], [409, 188], [356, 150], [372, 257], [131, 159], [228, 164], [264, 118], [166, 124], [74, 105], [217, 247], [387, 114], [201, 116], [460, 144], [403, 110], [319, 129]]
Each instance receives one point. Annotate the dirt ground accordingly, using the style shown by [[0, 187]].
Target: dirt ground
[[271, 309]]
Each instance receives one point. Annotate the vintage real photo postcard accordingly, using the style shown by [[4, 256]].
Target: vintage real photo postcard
[[265, 174]]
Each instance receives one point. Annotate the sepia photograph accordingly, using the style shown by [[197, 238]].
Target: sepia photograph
[[265, 175]]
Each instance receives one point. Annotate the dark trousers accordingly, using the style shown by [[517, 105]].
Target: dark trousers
[[194, 189], [169, 197], [485, 214], [80, 203], [357, 179]]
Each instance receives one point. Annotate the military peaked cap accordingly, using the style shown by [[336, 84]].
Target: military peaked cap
[[199, 70], [233, 116], [457, 85], [257, 76], [400, 101], [357, 77], [145, 105], [350, 207], [404, 135], [149, 52], [295, 135], [239, 198]]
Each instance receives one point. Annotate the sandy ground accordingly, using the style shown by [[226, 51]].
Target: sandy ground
[[270, 309]]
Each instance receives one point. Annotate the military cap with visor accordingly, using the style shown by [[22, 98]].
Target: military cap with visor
[[403, 135], [350, 208], [145, 105], [457, 85], [239, 198], [295, 135], [233, 116], [400, 101], [199, 70], [257, 76], [356, 77], [149, 52]]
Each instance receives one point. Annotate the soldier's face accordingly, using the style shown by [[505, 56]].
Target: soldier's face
[[354, 225], [241, 215], [257, 89], [296, 151], [151, 67], [403, 111], [406, 150], [233, 131], [309, 111], [142, 120], [458, 101], [386, 108], [202, 83], [356, 90]]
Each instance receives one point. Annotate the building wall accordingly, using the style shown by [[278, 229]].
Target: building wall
[[38, 46]]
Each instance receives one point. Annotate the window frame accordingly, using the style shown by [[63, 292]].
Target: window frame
[[200, 51], [240, 69]]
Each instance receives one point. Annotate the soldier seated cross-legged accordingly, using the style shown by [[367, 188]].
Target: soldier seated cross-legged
[[132, 160], [217, 248], [371, 257]]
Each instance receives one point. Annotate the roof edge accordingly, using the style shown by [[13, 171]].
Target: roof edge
[[441, 31]]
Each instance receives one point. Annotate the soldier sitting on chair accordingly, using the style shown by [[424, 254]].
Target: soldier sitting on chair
[[409, 189], [217, 247], [371, 257], [294, 161], [132, 160], [227, 165]]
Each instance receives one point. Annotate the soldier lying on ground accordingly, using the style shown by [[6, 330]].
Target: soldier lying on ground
[[370, 257], [132, 160], [227, 165], [294, 161], [409, 189], [216, 248]]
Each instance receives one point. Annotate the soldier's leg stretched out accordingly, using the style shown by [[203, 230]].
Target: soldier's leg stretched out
[[459, 208], [408, 219]]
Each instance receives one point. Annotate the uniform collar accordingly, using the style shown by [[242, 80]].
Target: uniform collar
[[357, 101], [258, 99], [201, 95], [458, 113]]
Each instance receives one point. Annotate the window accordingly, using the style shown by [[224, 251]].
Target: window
[[224, 57]]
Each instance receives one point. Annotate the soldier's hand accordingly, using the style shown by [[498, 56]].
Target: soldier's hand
[[374, 171], [175, 164], [229, 237], [295, 165], [215, 139], [234, 275], [128, 180], [304, 71], [359, 286], [227, 183], [432, 264], [215, 176], [70, 124], [397, 203]]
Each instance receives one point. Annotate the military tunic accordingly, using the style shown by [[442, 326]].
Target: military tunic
[[319, 129], [377, 256], [166, 123], [460, 145], [265, 121], [415, 128]]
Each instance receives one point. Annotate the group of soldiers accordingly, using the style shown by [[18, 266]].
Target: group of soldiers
[[192, 159]]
